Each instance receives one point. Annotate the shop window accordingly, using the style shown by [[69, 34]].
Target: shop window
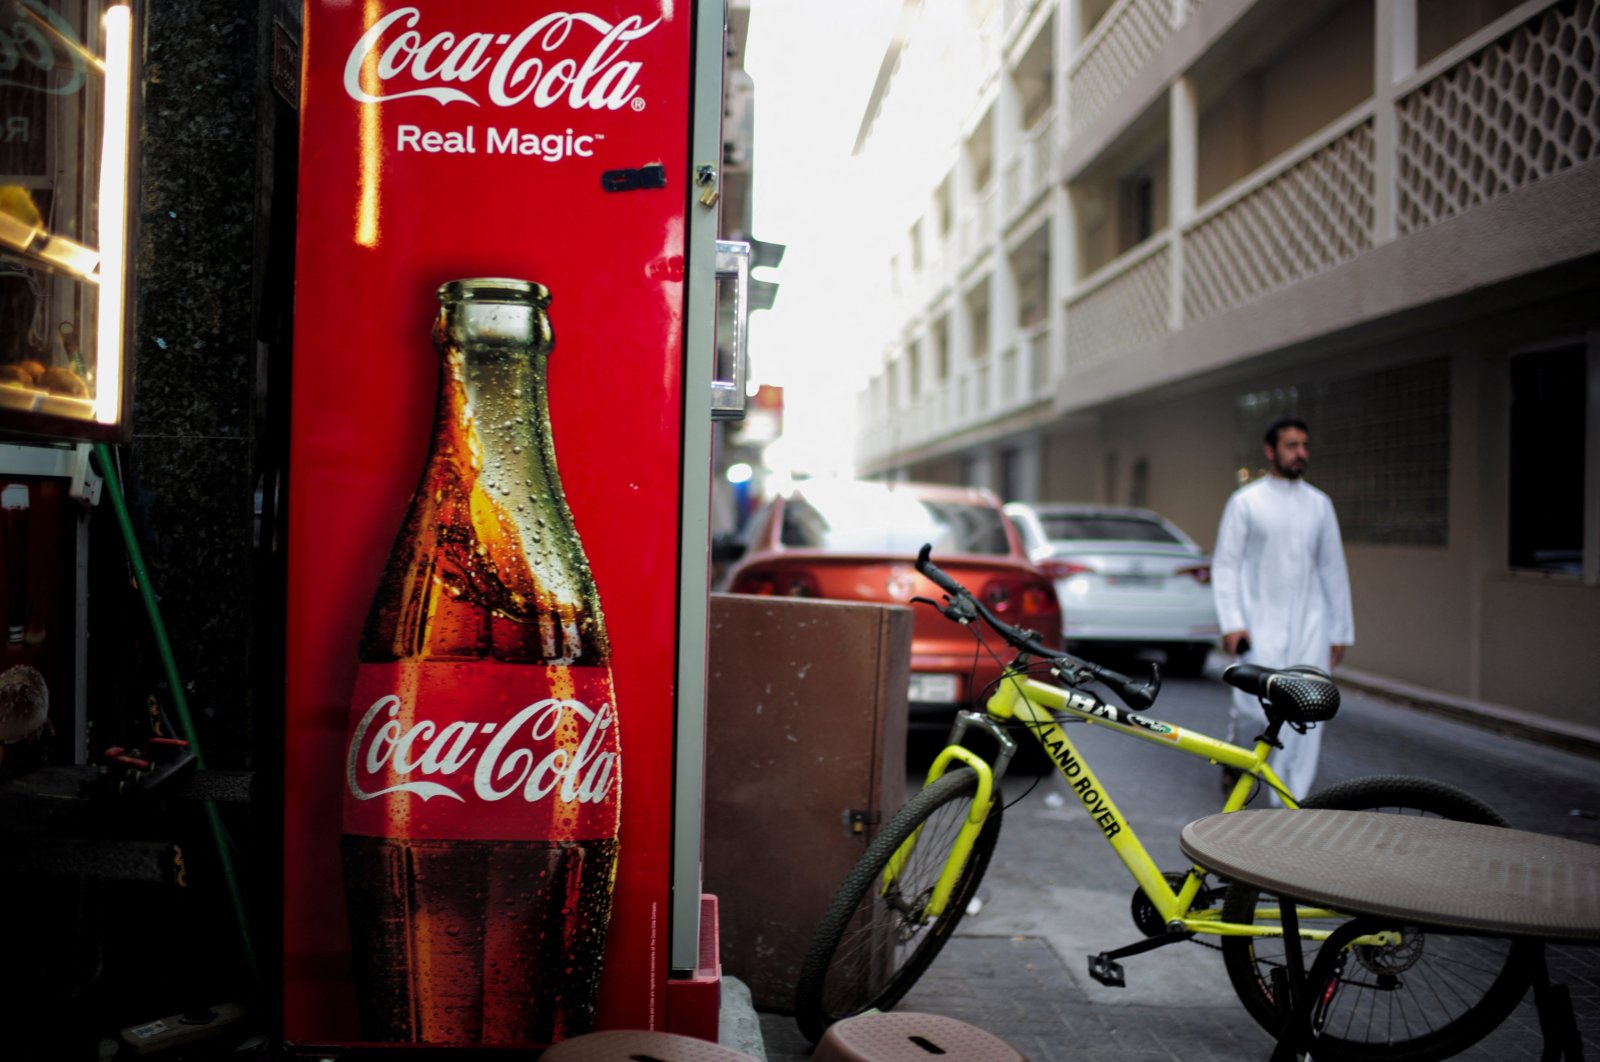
[[1549, 390], [67, 72], [1380, 448]]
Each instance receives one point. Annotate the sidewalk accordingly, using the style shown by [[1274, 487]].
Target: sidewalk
[[1025, 981], [1574, 737]]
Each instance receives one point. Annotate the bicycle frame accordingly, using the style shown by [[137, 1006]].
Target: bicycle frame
[[1036, 704]]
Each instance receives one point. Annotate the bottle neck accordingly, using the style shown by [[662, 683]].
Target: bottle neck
[[495, 403], [500, 408]]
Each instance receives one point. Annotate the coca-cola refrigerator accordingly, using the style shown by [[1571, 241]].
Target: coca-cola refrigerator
[[505, 376]]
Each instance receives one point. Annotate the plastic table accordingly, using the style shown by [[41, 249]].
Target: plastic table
[[1389, 871]]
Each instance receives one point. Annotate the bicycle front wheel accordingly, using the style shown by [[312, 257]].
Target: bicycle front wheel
[[1428, 996], [876, 940]]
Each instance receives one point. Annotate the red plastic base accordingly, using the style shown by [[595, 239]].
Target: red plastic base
[[694, 1004]]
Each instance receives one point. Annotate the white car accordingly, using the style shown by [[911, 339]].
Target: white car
[[1127, 578]]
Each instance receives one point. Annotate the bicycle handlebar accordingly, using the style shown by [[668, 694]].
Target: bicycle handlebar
[[962, 607]]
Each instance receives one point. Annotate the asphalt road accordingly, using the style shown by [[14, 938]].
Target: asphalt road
[[1055, 892]]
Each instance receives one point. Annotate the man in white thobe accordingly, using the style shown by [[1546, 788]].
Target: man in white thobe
[[1282, 590]]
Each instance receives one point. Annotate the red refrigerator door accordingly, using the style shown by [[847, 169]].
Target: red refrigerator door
[[442, 141]]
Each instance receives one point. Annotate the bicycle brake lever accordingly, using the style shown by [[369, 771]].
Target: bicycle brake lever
[[958, 609]]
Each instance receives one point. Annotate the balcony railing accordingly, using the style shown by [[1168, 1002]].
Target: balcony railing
[[1495, 113], [1512, 87], [1305, 213], [1124, 304], [1120, 45]]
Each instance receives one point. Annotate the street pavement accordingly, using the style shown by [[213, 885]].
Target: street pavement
[[1055, 893]]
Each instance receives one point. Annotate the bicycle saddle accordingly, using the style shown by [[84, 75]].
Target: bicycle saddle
[[1299, 694]]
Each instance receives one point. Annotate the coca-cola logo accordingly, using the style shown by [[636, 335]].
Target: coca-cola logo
[[491, 761], [543, 64], [28, 49]]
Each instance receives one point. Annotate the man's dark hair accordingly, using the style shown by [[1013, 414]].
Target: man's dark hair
[[1281, 423]]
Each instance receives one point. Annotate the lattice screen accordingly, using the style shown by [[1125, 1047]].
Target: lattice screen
[[1140, 28], [1523, 108], [1127, 311], [1380, 447], [1312, 216]]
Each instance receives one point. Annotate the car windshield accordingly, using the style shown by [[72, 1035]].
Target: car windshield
[[853, 518], [1104, 528]]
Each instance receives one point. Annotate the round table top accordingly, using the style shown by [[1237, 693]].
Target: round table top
[[1455, 875]]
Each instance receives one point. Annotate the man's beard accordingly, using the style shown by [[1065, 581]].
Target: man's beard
[[1291, 471]]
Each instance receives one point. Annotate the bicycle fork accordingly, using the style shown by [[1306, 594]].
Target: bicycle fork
[[977, 812]]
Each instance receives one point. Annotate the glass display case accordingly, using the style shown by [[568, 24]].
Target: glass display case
[[67, 73]]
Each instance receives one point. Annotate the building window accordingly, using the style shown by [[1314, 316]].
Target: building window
[[1380, 448], [1549, 407]]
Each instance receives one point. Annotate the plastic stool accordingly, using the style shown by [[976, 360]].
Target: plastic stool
[[631, 1045], [911, 1037]]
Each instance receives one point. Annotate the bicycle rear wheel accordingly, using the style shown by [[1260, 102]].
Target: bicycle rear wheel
[[873, 943], [1429, 996]]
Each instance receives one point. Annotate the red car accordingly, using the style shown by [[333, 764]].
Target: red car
[[855, 541]]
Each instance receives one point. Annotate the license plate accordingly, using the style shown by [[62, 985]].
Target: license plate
[[1139, 582], [932, 689]]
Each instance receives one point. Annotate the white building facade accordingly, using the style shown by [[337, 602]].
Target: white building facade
[[1123, 236]]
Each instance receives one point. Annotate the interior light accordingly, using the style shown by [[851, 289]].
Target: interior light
[[739, 473], [113, 202]]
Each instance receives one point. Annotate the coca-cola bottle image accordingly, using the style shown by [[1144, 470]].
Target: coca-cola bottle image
[[482, 780]]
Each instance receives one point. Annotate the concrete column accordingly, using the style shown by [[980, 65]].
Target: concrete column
[[1394, 60], [1007, 141], [1002, 320], [1182, 182], [960, 357], [1063, 275], [1069, 37]]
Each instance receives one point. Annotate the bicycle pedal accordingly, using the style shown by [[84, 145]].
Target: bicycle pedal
[[1107, 971]]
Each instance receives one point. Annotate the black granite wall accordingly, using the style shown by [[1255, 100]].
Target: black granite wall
[[213, 286]]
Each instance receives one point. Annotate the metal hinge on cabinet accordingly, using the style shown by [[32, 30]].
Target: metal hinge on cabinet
[[857, 821]]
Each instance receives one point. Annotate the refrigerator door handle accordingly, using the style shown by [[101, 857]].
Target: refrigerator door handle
[[732, 345]]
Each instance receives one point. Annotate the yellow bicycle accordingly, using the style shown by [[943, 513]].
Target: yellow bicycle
[[1399, 995]]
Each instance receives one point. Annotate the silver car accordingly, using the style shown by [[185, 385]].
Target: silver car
[[1127, 578]]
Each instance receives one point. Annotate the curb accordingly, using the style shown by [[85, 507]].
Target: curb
[[1573, 737], [738, 1025]]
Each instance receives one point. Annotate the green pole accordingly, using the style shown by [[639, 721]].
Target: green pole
[[180, 702]]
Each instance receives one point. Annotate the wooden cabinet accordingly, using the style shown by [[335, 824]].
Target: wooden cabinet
[[805, 749]]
